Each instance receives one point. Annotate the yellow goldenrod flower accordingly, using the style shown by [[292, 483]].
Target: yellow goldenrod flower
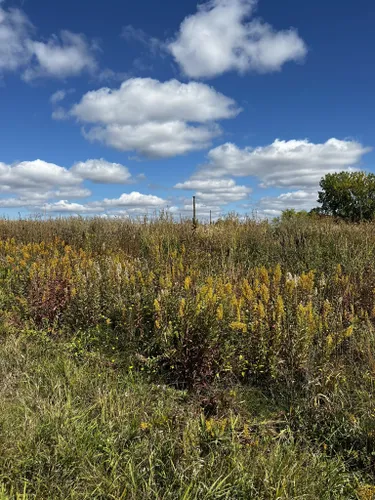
[[157, 306], [264, 293], [247, 291], [277, 275], [187, 282], [220, 312], [261, 310], [181, 311], [264, 276], [348, 332], [237, 325]]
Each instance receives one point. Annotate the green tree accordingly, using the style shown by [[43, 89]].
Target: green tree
[[349, 195]]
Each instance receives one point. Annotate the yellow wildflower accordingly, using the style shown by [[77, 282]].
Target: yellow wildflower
[[261, 310], [264, 293], [348, 332], [187, 282], [220, 312], [181, 311], [157, 306], [237, 325]]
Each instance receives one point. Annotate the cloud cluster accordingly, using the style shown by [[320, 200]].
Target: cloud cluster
[[165, 119], [15, 29], [156, 119], [133, 202], [294, 163], [60, 57], [47, 187], [38, 180], [69, 54], [101, 171], [221, 37], [272, 206], [64, 206], [216, 191]]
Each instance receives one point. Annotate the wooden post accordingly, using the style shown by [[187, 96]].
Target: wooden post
[[194, 214], [210, 217]]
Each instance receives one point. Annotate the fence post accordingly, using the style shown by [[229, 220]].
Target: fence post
[[194, 214]]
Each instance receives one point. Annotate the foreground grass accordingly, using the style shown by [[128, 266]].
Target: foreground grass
[[145, 360], [80, 429]]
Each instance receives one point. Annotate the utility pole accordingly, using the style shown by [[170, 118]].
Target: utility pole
[[210, 217], [194, 214]]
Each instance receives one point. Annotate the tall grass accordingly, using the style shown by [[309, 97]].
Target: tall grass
[[145, 359]]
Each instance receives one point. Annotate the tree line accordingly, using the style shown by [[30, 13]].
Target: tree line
[[344, 195]]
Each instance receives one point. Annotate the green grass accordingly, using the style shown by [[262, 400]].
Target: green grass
[[80, 429], [147, 360]]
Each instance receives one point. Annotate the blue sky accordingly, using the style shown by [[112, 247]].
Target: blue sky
[[119, 108]]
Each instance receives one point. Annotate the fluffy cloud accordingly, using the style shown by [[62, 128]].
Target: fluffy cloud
[[46, 187], [133, 200], [65, 206], [72, 193], [219, 37], [15, 30], [272, 206], [38, 181], [59, 57], [157, 119], [155, 140], [133, 203], [101, 171], [19, 202], [295, 163], [216, 191], [141, 100], [35, 175]]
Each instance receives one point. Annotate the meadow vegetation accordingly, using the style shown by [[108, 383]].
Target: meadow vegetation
[[147, 360]]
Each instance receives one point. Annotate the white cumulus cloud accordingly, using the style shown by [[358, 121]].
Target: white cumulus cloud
[[69, 54], [294, 163], [157, 119], [134, 200], [35, 175], [272, 206], [155, 140], [15, 30], [66, 206], [39, 181], [216, 191], [102, 171], [141, 100], [223, 36]]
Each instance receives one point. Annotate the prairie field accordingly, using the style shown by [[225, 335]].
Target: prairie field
[[145, 359]]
